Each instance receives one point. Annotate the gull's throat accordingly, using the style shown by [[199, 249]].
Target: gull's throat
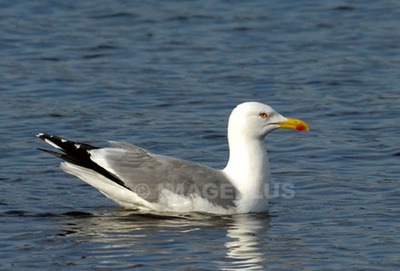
[[248, 170]]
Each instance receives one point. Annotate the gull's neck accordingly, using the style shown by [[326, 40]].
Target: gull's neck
[[248, 170]]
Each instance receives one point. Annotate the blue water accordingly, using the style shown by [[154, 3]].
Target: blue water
[[165, 75]]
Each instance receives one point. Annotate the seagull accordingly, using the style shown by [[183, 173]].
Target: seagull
[[137, 179]]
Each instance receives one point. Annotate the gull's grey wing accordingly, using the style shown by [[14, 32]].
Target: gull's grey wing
[[148, 174]]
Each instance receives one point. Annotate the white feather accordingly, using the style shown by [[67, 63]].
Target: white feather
[[110, 189], [52, 144]]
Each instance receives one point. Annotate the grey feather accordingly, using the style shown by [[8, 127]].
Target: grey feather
[[137, 167]]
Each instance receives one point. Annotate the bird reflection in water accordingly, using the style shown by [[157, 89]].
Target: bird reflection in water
[[126, 239]]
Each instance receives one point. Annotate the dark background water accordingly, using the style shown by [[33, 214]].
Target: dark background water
[[165, 75]]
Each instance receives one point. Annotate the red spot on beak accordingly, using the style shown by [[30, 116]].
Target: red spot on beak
[[300, 127]]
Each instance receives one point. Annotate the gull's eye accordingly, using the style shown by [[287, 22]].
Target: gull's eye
[[263, 115]]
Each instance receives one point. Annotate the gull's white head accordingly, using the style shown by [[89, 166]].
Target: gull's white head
[[247, 167], [253, 120]]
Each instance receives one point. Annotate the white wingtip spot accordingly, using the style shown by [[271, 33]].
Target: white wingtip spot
[[40, 134], [63, 140], [77, 146], [52, 144]]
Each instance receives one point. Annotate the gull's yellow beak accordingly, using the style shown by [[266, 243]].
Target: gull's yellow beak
[[296, 124]]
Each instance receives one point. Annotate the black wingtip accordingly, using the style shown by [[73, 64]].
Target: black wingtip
[[52, 138], [73, 152], [44, 136], [64, 144], [76, 153], [57, 154]]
